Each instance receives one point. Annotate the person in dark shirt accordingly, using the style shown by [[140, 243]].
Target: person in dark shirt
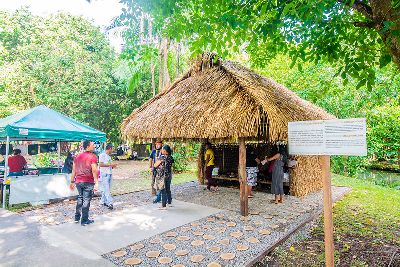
[[163, 179], [67, 168], [85, 176]]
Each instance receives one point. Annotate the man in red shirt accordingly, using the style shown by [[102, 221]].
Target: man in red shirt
[[85, 176], [16, 163]]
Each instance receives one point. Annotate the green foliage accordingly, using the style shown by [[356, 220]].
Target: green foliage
[[183, 154], [380, 106], [308, 31], [66, 63], [44, 160], [181, 161], [384, 131], [349, 166]]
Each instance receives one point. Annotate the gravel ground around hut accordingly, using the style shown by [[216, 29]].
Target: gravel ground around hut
[[226, 238], [63, 212]]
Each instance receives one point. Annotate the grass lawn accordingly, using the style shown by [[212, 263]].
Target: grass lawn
[[366, 230]]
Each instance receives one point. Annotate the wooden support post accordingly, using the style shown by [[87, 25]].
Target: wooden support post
[[200, 164], [244, 201], [153, 146], [328, 221]]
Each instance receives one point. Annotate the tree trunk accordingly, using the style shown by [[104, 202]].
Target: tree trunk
[[382, 10], [378, 12], [152, 64], [178, 50], [141, 34], [398, 157], [160, 66], [153, 82], [166, 79]]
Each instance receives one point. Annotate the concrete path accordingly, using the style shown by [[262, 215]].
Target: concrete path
[[21, 244], [24, 243], [119, 229]]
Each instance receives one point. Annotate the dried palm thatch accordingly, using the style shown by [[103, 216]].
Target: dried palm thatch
[[219, 100], [307, 176], [223, 101]]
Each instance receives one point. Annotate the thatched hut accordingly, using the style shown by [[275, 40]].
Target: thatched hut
[[225, 102]]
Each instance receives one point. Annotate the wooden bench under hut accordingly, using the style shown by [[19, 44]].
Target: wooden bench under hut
[[226, 103]]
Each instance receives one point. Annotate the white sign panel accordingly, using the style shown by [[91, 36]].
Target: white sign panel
[[23, 131], [328, 137], [34, 188]]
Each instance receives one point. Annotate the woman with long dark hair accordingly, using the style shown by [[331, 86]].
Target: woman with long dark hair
[[163, 176]]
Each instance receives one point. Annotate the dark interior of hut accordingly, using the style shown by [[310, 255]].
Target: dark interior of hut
[[227, 158]]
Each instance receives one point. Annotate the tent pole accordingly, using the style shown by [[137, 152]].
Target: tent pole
[[59, 156], [5, 171]]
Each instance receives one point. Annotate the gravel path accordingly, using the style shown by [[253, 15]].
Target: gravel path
[[63, 212], [224, 235], [228, 234]]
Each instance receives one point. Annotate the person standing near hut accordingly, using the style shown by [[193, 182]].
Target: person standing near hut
[[163, 177], [154, 156], [277, 175], [106, 166], [209, 166], [252, 163], [85, 176]]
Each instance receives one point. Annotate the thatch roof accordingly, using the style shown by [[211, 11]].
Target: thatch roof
[[219, 100]]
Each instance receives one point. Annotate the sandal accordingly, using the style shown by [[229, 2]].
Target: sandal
[[250, 196]]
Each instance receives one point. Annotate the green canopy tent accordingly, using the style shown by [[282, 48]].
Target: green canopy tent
[[45, 124]]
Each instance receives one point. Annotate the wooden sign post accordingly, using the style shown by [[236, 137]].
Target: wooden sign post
[[328, 137], [328, 222]]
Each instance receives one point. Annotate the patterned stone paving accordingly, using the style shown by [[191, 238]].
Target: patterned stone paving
[[226, 238]]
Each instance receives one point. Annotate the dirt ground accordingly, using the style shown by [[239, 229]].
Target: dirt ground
[[130, 169]]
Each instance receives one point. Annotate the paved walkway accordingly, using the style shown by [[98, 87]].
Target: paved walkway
[[24, 243], [201, 228], [115, 230]]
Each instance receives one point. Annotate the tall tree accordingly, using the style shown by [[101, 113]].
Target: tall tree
[[356, 35], [66, 63]]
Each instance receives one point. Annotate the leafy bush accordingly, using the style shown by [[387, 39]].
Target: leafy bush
[[183, 153], [349, 166], [45, 160]]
